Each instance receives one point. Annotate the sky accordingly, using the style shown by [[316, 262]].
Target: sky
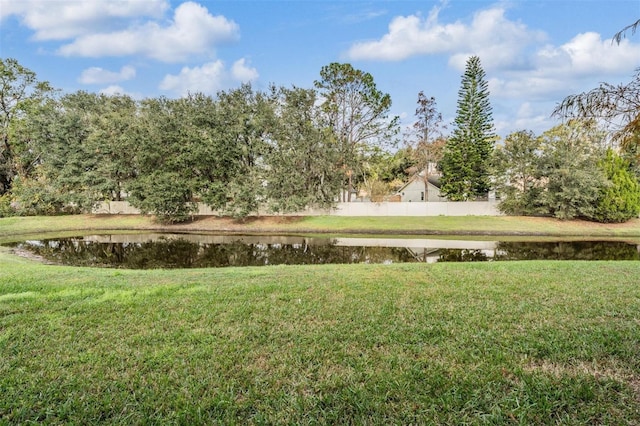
[[534, 53]]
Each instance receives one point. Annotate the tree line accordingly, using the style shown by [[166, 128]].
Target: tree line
[[286, 149]]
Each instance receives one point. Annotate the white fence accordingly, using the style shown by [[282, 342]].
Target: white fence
[[459, 208]]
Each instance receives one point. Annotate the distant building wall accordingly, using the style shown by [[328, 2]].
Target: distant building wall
[[460, 208], [414, 192]]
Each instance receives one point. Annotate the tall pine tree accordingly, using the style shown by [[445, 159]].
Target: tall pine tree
[[465, 164]]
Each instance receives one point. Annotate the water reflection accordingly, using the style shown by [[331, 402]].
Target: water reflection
[[147, 251]]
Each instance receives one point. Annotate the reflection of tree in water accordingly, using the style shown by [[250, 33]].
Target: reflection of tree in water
[[180, 253], [76, 251], [153, 254], [163, 253], [567, 250], [242, 254], [462, 255]]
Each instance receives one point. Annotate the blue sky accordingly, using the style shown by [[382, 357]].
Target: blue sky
[[534, 52]]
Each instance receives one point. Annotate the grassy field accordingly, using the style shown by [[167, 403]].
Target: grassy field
[[537, 342], [461, 225], [493, 343]]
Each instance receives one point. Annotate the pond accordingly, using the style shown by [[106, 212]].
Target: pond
[[147, 251]]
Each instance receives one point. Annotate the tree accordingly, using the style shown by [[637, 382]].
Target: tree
[[616, 105], [165, 183], [620, 200], [302, 163], [389, 168], [237, 137], [20, 93], [465, 163], [565, 173], [114, 140], [617, 38], [358, 114], [517, 170], [425, 137], [70, 171], [569, 165]]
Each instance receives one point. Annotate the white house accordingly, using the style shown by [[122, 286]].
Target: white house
[[414, 190]]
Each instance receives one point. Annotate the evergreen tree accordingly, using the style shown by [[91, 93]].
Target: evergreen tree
[[465, 165], [619, 200]]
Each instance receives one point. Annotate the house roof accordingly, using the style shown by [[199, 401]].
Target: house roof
[[432, 179]]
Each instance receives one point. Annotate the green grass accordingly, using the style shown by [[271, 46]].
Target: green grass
[[461, 225], [493, 343]]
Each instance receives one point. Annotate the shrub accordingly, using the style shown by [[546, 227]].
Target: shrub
[[5, 206], [620, 200], [33, 197], [165, 196]]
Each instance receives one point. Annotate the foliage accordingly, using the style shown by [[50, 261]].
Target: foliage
[[6, 209], [37, 197], [569, 164], [238, 153], [358, 115], [390, 170], [244, 121], [425, 139], [80, 145], [114, 141], [616, 105], [617, 38], [377, 189], [162, 194], [166, 181], [517, 172], [565, 173], [303, 158], [619, 201], [465, 164], [20, 93]]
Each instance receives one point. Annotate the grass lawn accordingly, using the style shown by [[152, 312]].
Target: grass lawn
[[460, 225], [490, 343], [538, 342]]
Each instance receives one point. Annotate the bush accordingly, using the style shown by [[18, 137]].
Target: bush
[[620, 200], [164, 195], [5, 206], [34, 197]]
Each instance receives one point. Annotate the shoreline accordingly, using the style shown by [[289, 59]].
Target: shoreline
[[512, 226]]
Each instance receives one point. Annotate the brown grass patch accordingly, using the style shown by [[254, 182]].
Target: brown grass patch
[[597, 370]]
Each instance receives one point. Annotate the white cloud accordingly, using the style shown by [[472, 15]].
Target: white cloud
[[113, 90], [529, 116], [208, 78], [240, 71], [193, 31], [497, 40], [573, 67], [588, 55], [65, 19], [97, 75]]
